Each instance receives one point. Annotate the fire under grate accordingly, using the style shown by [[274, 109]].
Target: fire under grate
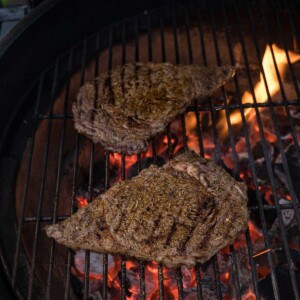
[[251, 127]]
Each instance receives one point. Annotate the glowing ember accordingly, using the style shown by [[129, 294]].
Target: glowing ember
[[255, 233], [261, 253], [249, 295], [81, 201]]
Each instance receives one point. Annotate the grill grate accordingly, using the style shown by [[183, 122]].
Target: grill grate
[[179, 18]]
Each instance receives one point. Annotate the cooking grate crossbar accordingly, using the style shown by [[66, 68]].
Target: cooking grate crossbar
[[146, 20]]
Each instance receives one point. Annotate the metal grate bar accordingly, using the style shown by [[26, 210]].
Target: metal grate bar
[[198, 281], [162, 36], [198, 127], [163, 55], [179, 283], [201, 34], [269, 167], [105, 256], [190, 55], [235, 273], [231, 137], [227, 114], [142, 281], [42, 185], [236, 168], [123, 42], [82, 80], [141, 263], [176, 46], [69, 256], [177, 58], [161, 282], [136, 33], [253, 269], [160, 275], [123, 162], [154, 153], [252, 163], [187, 33], [87, 253], [252, 264], [203, 52], [73, 199], [149, 35], [217, 157], [217, 277], [91, 179], [27, 176], [58, 179]]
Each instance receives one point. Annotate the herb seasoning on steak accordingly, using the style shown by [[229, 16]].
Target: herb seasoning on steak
[[123, 108], [179, 214]]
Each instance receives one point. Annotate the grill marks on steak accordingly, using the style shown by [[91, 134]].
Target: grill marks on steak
[[128, 105], [179, 214]]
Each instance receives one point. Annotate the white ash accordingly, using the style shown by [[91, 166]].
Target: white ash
[[96, 262]]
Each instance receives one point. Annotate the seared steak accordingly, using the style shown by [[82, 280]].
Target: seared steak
[[179, 214], [123, 108]]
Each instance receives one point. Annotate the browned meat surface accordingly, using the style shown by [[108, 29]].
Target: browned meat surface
[[179, 214], [124, 108]]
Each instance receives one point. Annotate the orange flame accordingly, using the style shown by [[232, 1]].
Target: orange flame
[[260, 89]]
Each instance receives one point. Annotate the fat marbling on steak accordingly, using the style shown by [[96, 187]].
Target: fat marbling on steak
[[123, 108], [179, 214]]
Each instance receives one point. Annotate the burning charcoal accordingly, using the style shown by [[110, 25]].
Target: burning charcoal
[[281, 119], [262, 263], [290, 222], [258, 153], [188, 277], [95, 272], [288, 215], [241, 149], [262, 174], [208, 282], [264, 181], [96, 262], [282, 261], [133, 279], [270, 215], [284, 285], [191, 294], [294, 168], [295, 112]]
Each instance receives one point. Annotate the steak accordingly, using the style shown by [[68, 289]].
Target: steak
[[123, 108], [179, 214]]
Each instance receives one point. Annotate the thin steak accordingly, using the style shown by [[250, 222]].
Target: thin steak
[[179, 214], [123, 108]]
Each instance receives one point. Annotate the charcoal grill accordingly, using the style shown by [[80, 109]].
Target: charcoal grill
[[42, 65]]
